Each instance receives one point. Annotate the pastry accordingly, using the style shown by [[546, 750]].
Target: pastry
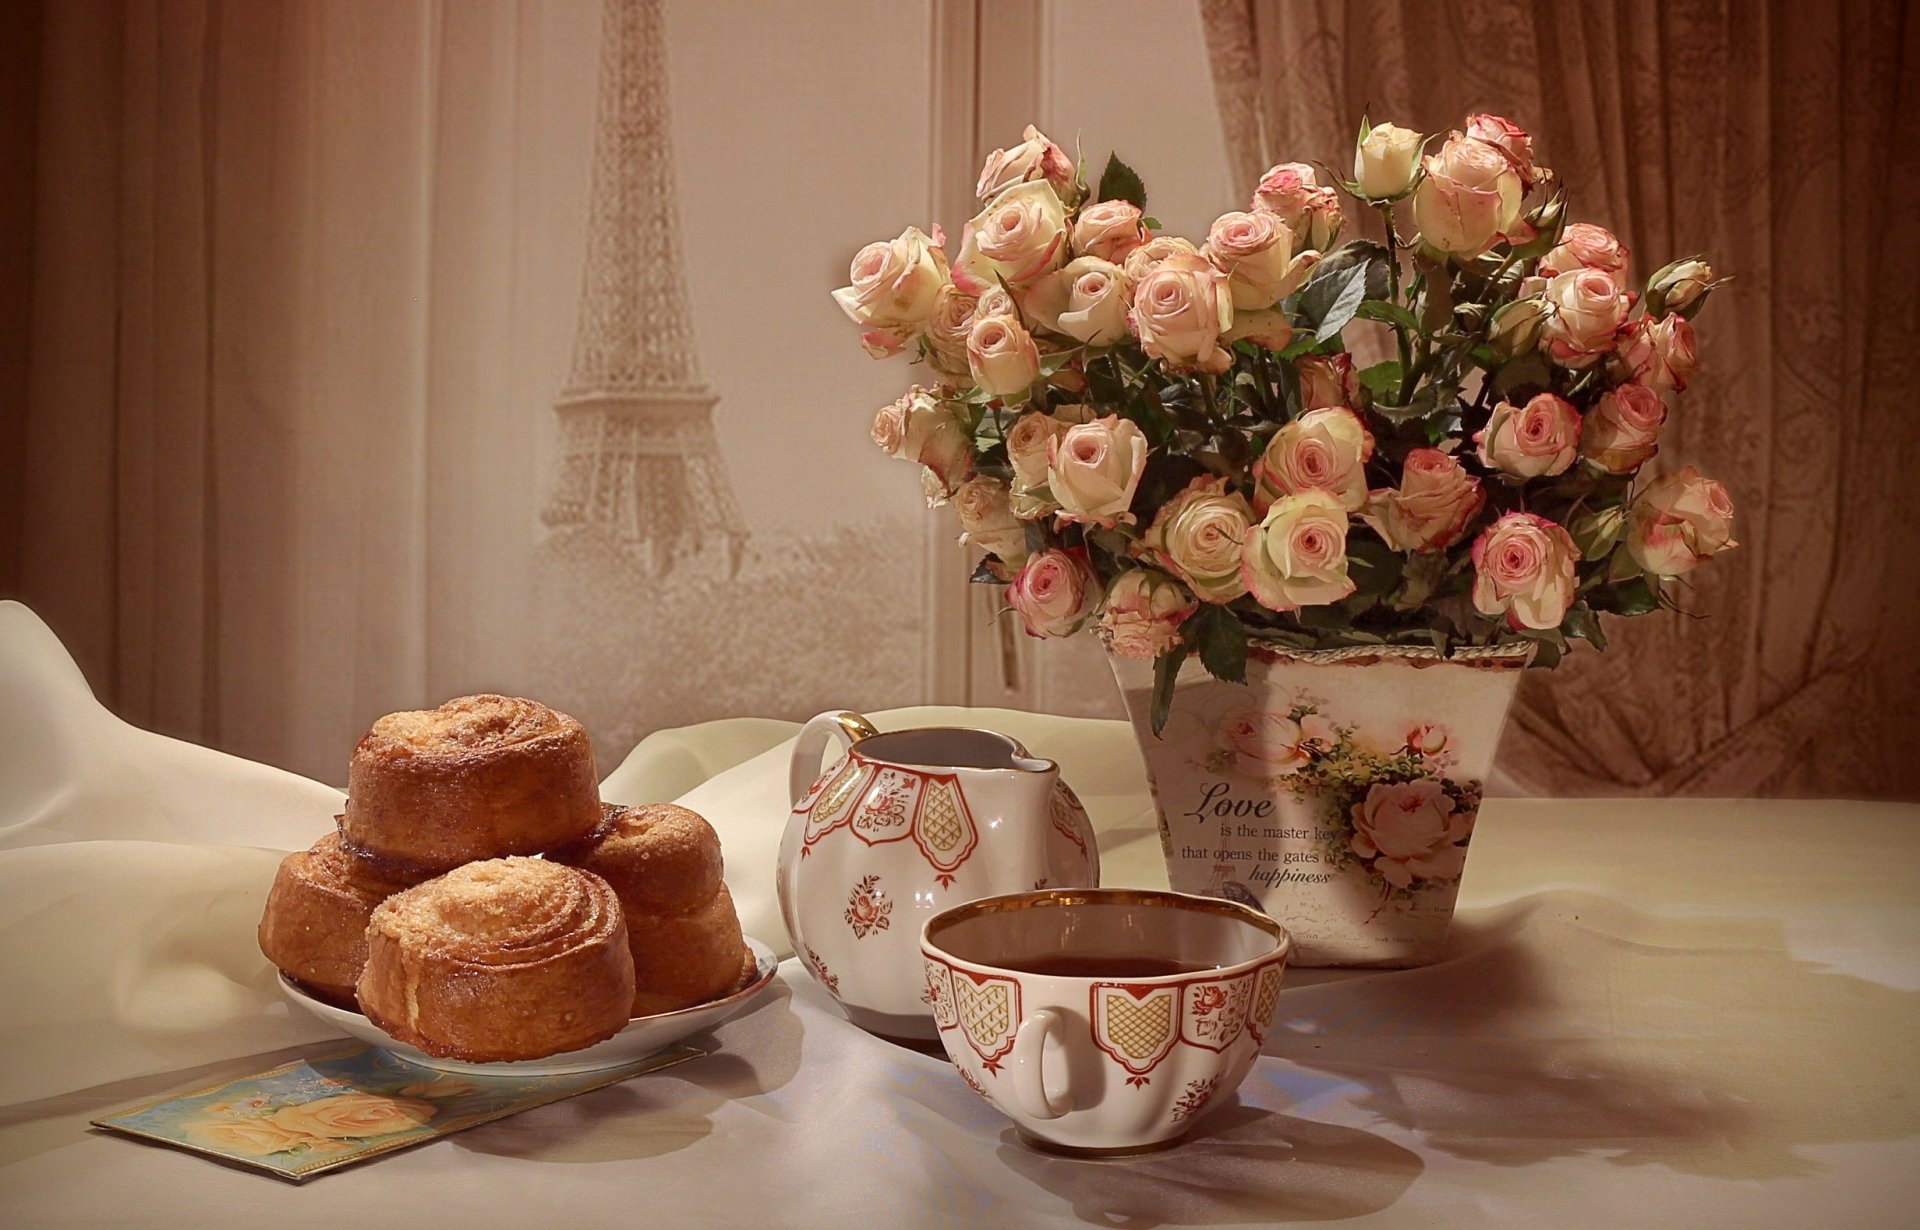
[[504, 959], [315, 925], [480, 777], [664, 863]]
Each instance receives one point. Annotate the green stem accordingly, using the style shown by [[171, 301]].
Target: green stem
[[1393, 289]]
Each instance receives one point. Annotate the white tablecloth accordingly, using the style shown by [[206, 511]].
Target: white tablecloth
[[1670, 1013]]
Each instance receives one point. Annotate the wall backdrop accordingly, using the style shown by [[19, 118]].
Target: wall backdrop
[[358, 353]]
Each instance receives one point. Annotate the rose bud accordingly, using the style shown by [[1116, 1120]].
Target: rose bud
[[1516, 328], [1540, 439], [1053, 593], [1093, 469], [1622, 431], [1679, 287], [1679, 522], [1034, 158], [1198, 536], [1312, 213], [1110, 230], [1324, 450], [1386, 161], [1297, 555], [1523, 569], [1143, 614]]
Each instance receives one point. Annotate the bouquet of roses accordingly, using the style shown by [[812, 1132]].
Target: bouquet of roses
[[1176, 446]]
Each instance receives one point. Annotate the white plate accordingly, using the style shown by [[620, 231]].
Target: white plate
[[642, 1037]]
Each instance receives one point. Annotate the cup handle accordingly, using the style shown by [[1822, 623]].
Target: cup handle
[[1036, 1096], [805, 765]]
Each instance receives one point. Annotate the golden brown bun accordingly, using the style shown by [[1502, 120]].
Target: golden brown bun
[[664, 863], [680, 960], [480, 777], [512, 958], [315, 924], [660, 857]]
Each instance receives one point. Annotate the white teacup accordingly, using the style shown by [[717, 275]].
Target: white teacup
[[1103, 1021]]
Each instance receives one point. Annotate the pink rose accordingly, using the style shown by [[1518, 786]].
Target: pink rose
[[1160, 248], [1510, 139], [1181, 306], [1034, 158], [1585, 310], [1585, 246], [1020, 236], [1086, 301], [1001, 355], [1469, 197], [1411, 829], [1622, 431], [1327, 380], [1292, 194], [1659, 353], [1110, 230], [1297, 555], [1277, 741], [1143, 613], [1678, 523], [948, 325], [920, 427], [1028, 443], [894, 287], [1256, 252], [1093, 469], [1523, 568], [1543, 437], [1053, 593], [1198, 536], [1325, 449], [1436, 501]]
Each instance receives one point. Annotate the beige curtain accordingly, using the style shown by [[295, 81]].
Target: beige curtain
[[1779, 138]]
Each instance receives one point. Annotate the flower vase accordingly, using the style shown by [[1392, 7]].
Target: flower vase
[[1336, 789]]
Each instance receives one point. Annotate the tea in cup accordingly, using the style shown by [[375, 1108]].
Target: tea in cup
[[1103, 1021]]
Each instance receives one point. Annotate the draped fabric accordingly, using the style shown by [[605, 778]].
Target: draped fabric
[[1778, 139]]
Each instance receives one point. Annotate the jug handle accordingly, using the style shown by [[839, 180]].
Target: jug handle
[[812, 741]]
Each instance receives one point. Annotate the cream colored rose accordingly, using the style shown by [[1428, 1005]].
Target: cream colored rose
[[995, 301], [1269, 328], [244, 1137], [1659, 352], [1468, 198], [355, 1115], [984, 506], [1622, 431], [1292, 194], [1028, 443], [1002, 357], [1093, 469], [1297, 555], [1585, 311], [1679, 522], [1542, 437], [1256, 252], [1322, 450], [1053, 593], [1327, 380], [949, 323], [1436, 500], [1143, 613], [1679, 287], [1386, 161], [895, 284], [1110, 230], [1034, 158], [1523, 569], [1142, 259], [1181, 308], [1281, 745], [922, 428], [1515, 328], [1585, 246], [1019, 237], [1411, 830], [1199, 535], [1510, 139], [1086, 301]]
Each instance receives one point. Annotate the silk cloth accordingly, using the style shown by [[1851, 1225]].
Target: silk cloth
[[1657, 1013]]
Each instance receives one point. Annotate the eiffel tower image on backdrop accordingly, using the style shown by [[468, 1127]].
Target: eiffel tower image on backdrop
[[638, 457]]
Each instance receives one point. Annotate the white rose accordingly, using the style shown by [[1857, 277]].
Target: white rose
[[1053, 593], [1523, 568], [1585, 311], [1297, 555], [1386, 161], [1093, 469], [1002, 356], [895, 284], [1086, 301], [1679, 522], [1019, 237], [1541, 438]]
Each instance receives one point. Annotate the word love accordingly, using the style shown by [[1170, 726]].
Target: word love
[[1219, 803]]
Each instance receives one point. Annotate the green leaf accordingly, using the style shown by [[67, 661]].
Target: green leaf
[[1120, 182], [1330, 302], [1378, 571], [1166, 671], [983, 573], [1301, 344], [1382, 380], [1597, 532], [1635, 597], [1152, 224], [1522, 372], [1221, 640], [1388, 314], [1358, 252], [1622, 567], [1584, 624]]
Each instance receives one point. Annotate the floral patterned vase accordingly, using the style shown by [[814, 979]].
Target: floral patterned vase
[[1336, 790]]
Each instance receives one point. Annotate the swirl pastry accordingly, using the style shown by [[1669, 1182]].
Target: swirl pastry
[[480, 777], [512, 958], [664, 863], [315, 925]]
